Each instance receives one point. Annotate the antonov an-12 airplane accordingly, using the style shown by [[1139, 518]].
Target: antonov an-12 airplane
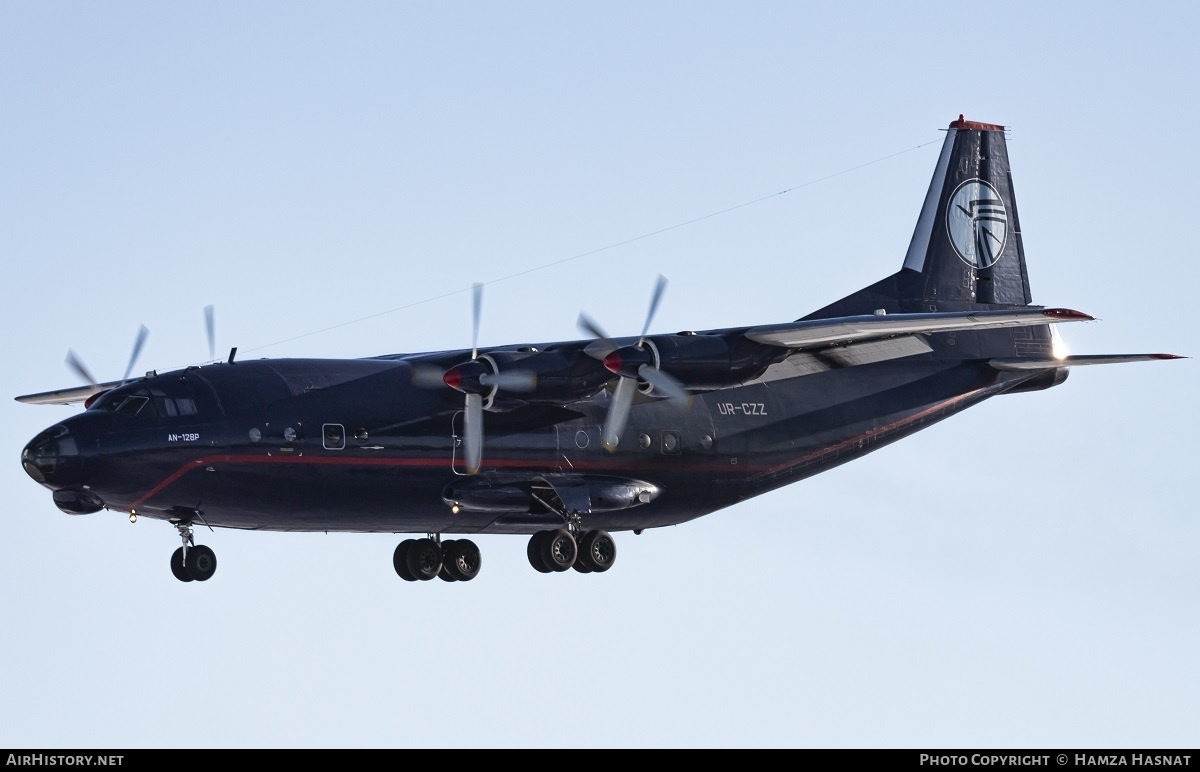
[[566, 443]]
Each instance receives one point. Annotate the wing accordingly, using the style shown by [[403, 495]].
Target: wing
[[68, 396], [819, 333], [843, 341]]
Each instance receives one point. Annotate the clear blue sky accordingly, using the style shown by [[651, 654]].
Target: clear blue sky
[[1022, 575]]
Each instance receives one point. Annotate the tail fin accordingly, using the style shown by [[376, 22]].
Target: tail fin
[[966, 250], [967, 244]]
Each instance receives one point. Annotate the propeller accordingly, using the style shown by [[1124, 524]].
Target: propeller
[[428, 376], [79, 367], [475, 378], [137, 350], [76, 364], [631, 363], [473, 417], [210, 328]]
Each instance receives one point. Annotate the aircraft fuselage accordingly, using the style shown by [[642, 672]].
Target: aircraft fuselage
[[352, 445]]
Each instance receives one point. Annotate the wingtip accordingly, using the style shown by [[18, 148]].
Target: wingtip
[[1168, 356], [1068, 315]]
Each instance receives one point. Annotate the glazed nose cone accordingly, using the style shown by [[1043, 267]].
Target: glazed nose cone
[[46, 454]]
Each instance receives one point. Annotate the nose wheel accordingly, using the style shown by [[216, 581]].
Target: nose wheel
[[192, 562]]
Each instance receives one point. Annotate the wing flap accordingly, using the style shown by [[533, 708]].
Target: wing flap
[[869, 351]]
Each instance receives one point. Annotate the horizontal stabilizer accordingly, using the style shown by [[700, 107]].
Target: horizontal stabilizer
[[824, 332], [1020, 363]]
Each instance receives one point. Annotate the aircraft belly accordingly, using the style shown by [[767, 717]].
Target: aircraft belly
[[820, 421], [260, 495]]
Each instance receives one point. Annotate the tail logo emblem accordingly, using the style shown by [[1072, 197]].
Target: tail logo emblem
[[977, 223]]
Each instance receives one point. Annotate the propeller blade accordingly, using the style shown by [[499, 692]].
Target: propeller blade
[[473, 429], [137, 349], [477, 302], [428, 376], [665, 384], [659, 286], [210, 326], [77, 365], [618, 413], [603, 345], [515, 380], [591, 328]]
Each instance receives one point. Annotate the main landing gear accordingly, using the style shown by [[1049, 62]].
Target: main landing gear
[[557, 550], [458, 560], [191, 562], [419, 560]]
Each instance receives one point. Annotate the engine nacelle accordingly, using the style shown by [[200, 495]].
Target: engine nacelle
[[558, 376], [703, 362]]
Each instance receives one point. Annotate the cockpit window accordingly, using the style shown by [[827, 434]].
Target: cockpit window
[[131, 405], [148, 402], [103, 401]]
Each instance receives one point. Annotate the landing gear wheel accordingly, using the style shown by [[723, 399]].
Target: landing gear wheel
[[559, 550], [201, 563], [534, 552], [400, 560], [424, 559], [445, 575], [177, 568], [597, 551], [461, 560]]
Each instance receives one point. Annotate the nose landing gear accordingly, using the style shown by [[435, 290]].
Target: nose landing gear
[[191, 562]]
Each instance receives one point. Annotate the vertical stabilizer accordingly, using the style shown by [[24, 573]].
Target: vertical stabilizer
[[967, 243]]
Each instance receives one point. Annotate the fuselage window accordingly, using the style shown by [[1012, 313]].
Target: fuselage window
[[175, 406], [334, 436]]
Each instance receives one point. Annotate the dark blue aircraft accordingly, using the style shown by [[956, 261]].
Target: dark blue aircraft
[[569, 442]]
